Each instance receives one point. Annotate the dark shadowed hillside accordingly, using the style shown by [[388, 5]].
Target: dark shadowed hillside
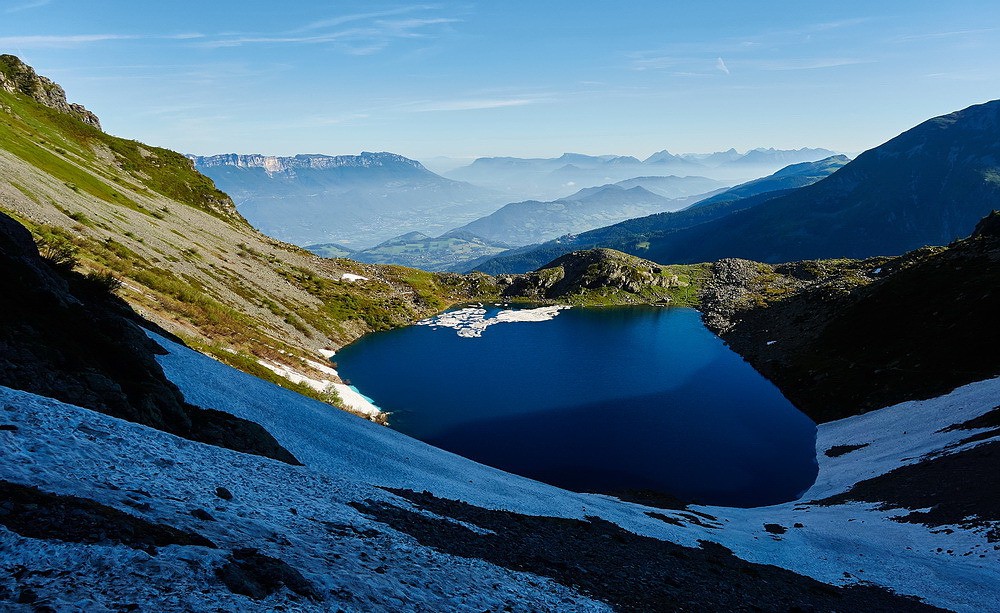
[[928, 186], [845, 336], [67, 336]]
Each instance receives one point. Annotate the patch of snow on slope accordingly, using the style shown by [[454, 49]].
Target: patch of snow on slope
[[356, 401], [350, 397], [296, 514], [896, 435]]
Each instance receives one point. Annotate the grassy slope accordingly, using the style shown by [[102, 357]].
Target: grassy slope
[[188, 260]]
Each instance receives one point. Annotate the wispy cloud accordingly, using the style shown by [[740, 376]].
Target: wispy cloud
[[835, 25], [798, 48], [471, 104], [27, 6], [69, 40], [939, 35], [76, 40], [809, 63], [342, 19], [365, 34]]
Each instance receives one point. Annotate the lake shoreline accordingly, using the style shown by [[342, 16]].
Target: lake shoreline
[[592, 376]]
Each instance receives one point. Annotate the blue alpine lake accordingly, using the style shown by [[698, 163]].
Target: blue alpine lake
[[595, 400]]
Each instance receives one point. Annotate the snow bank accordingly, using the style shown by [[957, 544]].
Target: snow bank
[[356, 401], [296, 514], [350, 397]]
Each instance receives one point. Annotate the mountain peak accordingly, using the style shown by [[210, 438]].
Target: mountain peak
[[17, 77]]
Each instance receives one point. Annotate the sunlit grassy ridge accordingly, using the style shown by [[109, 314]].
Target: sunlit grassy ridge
[[188, 260]]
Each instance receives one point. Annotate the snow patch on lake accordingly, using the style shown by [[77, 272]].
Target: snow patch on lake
[[471, 322]]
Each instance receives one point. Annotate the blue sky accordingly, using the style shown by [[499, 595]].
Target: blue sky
[[510, 78]]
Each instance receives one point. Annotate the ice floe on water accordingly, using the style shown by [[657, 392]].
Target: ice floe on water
[[470, 322]]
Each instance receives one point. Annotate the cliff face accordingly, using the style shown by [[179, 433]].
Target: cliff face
[[17, 77], [276, 165]]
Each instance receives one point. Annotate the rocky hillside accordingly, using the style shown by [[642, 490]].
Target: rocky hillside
[[845, 336], [605, 276], [68, 336], [187, 259], [16, 77]]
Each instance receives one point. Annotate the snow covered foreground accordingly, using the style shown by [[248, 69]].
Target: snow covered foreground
[[68, 450]]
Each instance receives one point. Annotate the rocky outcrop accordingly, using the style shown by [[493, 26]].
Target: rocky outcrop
[[68, 337], [17, 77], [840, 337], [597, 269]]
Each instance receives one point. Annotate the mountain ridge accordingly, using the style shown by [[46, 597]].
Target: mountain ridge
[[929, 185], [635, 235], [354, 200], [279, 164], [18, 77]]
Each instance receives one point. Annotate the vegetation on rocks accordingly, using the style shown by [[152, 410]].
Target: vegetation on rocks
[[843, 336], [603, 277]]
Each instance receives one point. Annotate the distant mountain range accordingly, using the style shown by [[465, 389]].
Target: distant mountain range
[[554, 178], [928, 186], [529, 222], [357, 200], [789, 177], [524, 223], [360, 201], [636, 235]]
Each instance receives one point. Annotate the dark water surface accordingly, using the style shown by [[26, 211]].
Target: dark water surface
[[595, 400]]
